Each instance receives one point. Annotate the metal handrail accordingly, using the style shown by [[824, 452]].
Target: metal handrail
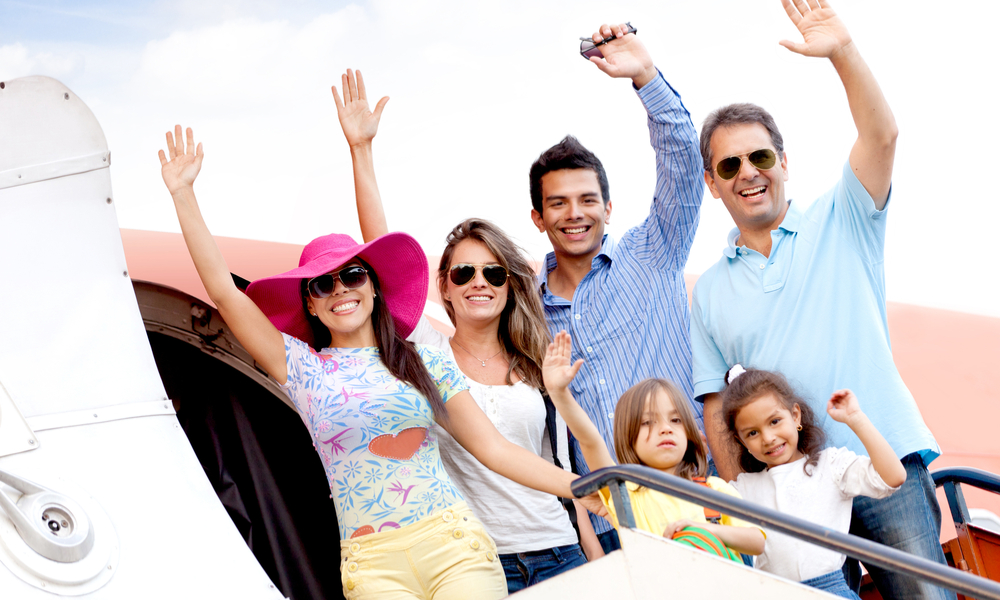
[[870, 552], [950, 479]]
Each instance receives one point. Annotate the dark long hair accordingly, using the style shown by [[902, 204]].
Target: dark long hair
[[751, 385], [399, 356], [522, 330]]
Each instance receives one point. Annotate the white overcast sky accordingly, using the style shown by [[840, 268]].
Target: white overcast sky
[[480, 89]]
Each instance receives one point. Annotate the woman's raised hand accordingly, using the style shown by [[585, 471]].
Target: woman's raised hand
[[359, 123], [557, 369], [185, 162]]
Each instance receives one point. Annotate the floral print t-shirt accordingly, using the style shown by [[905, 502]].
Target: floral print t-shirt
[[373, 433]]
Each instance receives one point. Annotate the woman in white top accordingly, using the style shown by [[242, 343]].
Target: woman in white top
[[490, 294]]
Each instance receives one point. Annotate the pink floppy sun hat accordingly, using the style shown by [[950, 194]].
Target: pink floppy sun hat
[[397, 259]]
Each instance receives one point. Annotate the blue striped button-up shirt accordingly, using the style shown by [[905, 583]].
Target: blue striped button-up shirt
[[629, 315]]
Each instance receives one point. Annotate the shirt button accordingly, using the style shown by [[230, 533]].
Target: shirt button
[[355, 547], [447, 516], [602, 382], [352, 567], [350, 584], [577, 317], [611, 415], [490, 556], [458, 533], [590, 349], [474, 544], [761, 265]]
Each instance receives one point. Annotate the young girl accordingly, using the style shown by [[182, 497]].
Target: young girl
[[781, 449], [654, 427], [332, 333]]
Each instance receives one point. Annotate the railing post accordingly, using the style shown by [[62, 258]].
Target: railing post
[[956, 500], [623, 506]]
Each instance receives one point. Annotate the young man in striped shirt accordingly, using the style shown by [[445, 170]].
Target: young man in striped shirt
[[623, 300]]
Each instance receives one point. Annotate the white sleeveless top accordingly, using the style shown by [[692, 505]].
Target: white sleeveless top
[[518, 518]]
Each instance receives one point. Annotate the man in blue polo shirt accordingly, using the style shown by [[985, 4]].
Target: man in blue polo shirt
[[802, 291], [624, 301]]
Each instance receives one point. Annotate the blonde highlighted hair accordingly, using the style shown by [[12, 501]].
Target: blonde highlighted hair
[[628, 421], [522, 332]]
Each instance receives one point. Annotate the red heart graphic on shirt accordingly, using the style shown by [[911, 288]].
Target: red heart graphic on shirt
[[363, 530], [401, 446]]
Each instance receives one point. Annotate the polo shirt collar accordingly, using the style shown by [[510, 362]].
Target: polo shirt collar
[[791, 224], [793, 218]]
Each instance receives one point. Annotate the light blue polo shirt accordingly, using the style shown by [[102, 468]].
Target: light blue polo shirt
[[815, 312]]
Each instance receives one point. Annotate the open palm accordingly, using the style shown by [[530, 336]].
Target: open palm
[[823, 33], [184, 164], [558, 370], [360, 124]]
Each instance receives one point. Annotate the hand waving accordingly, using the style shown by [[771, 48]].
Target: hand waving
[[843, 406], [359, 123], [557, 370], [184, 164], [823, 33]]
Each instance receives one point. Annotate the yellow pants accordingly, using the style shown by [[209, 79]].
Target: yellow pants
[[447, 555]]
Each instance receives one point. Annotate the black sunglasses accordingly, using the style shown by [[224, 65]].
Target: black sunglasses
[[352, 277], [762, 160], [588, 48], [461, 274]]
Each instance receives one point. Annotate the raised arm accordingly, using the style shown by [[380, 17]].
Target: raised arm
[[558, 372], [251, 327], [843, 407], [664, 239], [360, 126], [473, 430], [824, 35]]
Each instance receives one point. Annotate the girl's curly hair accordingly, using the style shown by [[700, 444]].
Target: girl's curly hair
[[751, 385]]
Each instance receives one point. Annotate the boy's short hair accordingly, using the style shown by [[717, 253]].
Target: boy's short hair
[[567, 154]]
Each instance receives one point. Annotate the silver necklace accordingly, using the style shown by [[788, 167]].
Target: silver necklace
[[481, 361]]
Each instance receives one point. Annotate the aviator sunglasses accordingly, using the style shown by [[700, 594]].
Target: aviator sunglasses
[[588, 48], [762, 160], [352, 277], [461, 274]]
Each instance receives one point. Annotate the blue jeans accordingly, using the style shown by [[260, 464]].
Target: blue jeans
[[909, 520], [524, 569], [833, 583]]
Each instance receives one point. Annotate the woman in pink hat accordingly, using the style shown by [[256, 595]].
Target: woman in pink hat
[[490, 293], [332, 333]]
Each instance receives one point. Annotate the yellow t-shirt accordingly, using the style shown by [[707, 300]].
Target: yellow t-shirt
[[655, 510]]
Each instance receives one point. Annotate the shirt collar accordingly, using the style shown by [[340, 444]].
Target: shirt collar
[[793, 218], [791, 223], [607, 249]]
